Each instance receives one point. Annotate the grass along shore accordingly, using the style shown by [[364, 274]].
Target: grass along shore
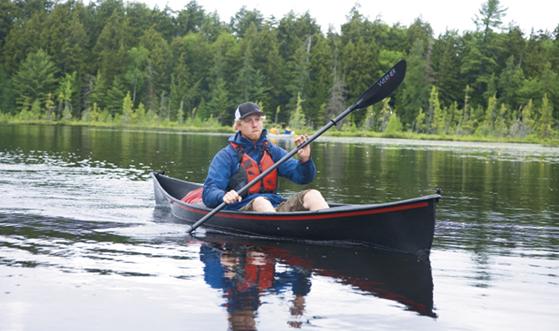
[[213, 126]]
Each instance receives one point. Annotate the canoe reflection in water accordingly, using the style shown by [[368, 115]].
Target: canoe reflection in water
[[245, 270]]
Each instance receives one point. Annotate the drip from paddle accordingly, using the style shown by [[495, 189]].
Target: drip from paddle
[[382, 88]]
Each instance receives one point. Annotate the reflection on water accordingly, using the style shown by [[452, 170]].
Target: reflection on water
[[78, 230], [245, 271]]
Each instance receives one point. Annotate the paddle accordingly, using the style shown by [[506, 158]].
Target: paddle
[[378, 91]]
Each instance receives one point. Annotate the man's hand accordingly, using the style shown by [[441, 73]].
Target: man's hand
[[231, 197], [304, 153]]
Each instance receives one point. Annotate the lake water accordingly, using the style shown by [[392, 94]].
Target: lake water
[[83, 248]]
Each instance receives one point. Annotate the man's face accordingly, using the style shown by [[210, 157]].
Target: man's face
[[251, 126]]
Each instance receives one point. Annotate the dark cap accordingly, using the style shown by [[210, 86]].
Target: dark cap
[[247, 108]]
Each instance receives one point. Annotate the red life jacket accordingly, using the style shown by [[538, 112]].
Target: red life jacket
[[250, 169]]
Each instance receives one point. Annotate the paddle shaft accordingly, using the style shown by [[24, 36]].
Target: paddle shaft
[[286, 157]]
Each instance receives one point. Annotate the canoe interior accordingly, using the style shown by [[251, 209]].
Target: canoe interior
[[177, 189]]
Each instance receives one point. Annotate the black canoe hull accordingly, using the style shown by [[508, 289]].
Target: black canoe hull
[[405, 226]]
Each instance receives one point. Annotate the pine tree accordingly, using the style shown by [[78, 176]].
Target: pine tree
[[136, 71], [490, 16], [416, 87], [219, 100], [35, 77], [447, 57]]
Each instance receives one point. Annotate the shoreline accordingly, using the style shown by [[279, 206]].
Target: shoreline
[[430, 139]]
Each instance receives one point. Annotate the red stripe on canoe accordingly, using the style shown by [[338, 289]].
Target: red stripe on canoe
[[314, 216]]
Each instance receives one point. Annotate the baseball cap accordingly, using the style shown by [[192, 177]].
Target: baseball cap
[[247, 108]]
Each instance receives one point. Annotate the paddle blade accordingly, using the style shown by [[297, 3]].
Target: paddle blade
[[383, 87]]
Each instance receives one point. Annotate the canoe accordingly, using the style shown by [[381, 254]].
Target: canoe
[[405, 226]]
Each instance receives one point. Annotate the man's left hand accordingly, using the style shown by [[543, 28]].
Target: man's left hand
[[305, 152]]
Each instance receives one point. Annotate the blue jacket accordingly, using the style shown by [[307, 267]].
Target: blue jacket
[[226, 163]]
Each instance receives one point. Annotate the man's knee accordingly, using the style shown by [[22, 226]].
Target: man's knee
[[314, 200], [313, 195], [262, 204]]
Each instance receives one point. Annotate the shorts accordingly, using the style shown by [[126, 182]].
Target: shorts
[[294, 203]]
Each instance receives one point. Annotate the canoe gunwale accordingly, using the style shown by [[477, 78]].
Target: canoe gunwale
[[324, 213]]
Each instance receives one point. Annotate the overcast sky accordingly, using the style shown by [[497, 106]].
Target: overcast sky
[[441, 14]]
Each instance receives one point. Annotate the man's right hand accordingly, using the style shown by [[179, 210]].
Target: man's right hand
[[231, 197]]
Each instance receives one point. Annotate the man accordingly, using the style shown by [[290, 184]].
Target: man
[[247, 155]]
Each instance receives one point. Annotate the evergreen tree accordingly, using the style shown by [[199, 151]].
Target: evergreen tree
[[490, 17], [7, 16], [416, 87], [190, 18], [510, 83], [447, 57], [244, 20], [358, 62], [66, 37], [111, 48], [35, 78], [136, 70], [23, 39], [156, 70], [219, 100]]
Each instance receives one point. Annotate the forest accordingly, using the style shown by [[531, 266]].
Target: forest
[[108, 61]]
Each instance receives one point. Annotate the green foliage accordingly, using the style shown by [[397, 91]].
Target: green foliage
[[128, 115], [394, 125], [383, 116], [545, 124], [436, 116], [297, 118], [490, 16], [76, 61], [416, 87], [420, 124], [35, 77], [527, 119], [64, 95], [487, 126]]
